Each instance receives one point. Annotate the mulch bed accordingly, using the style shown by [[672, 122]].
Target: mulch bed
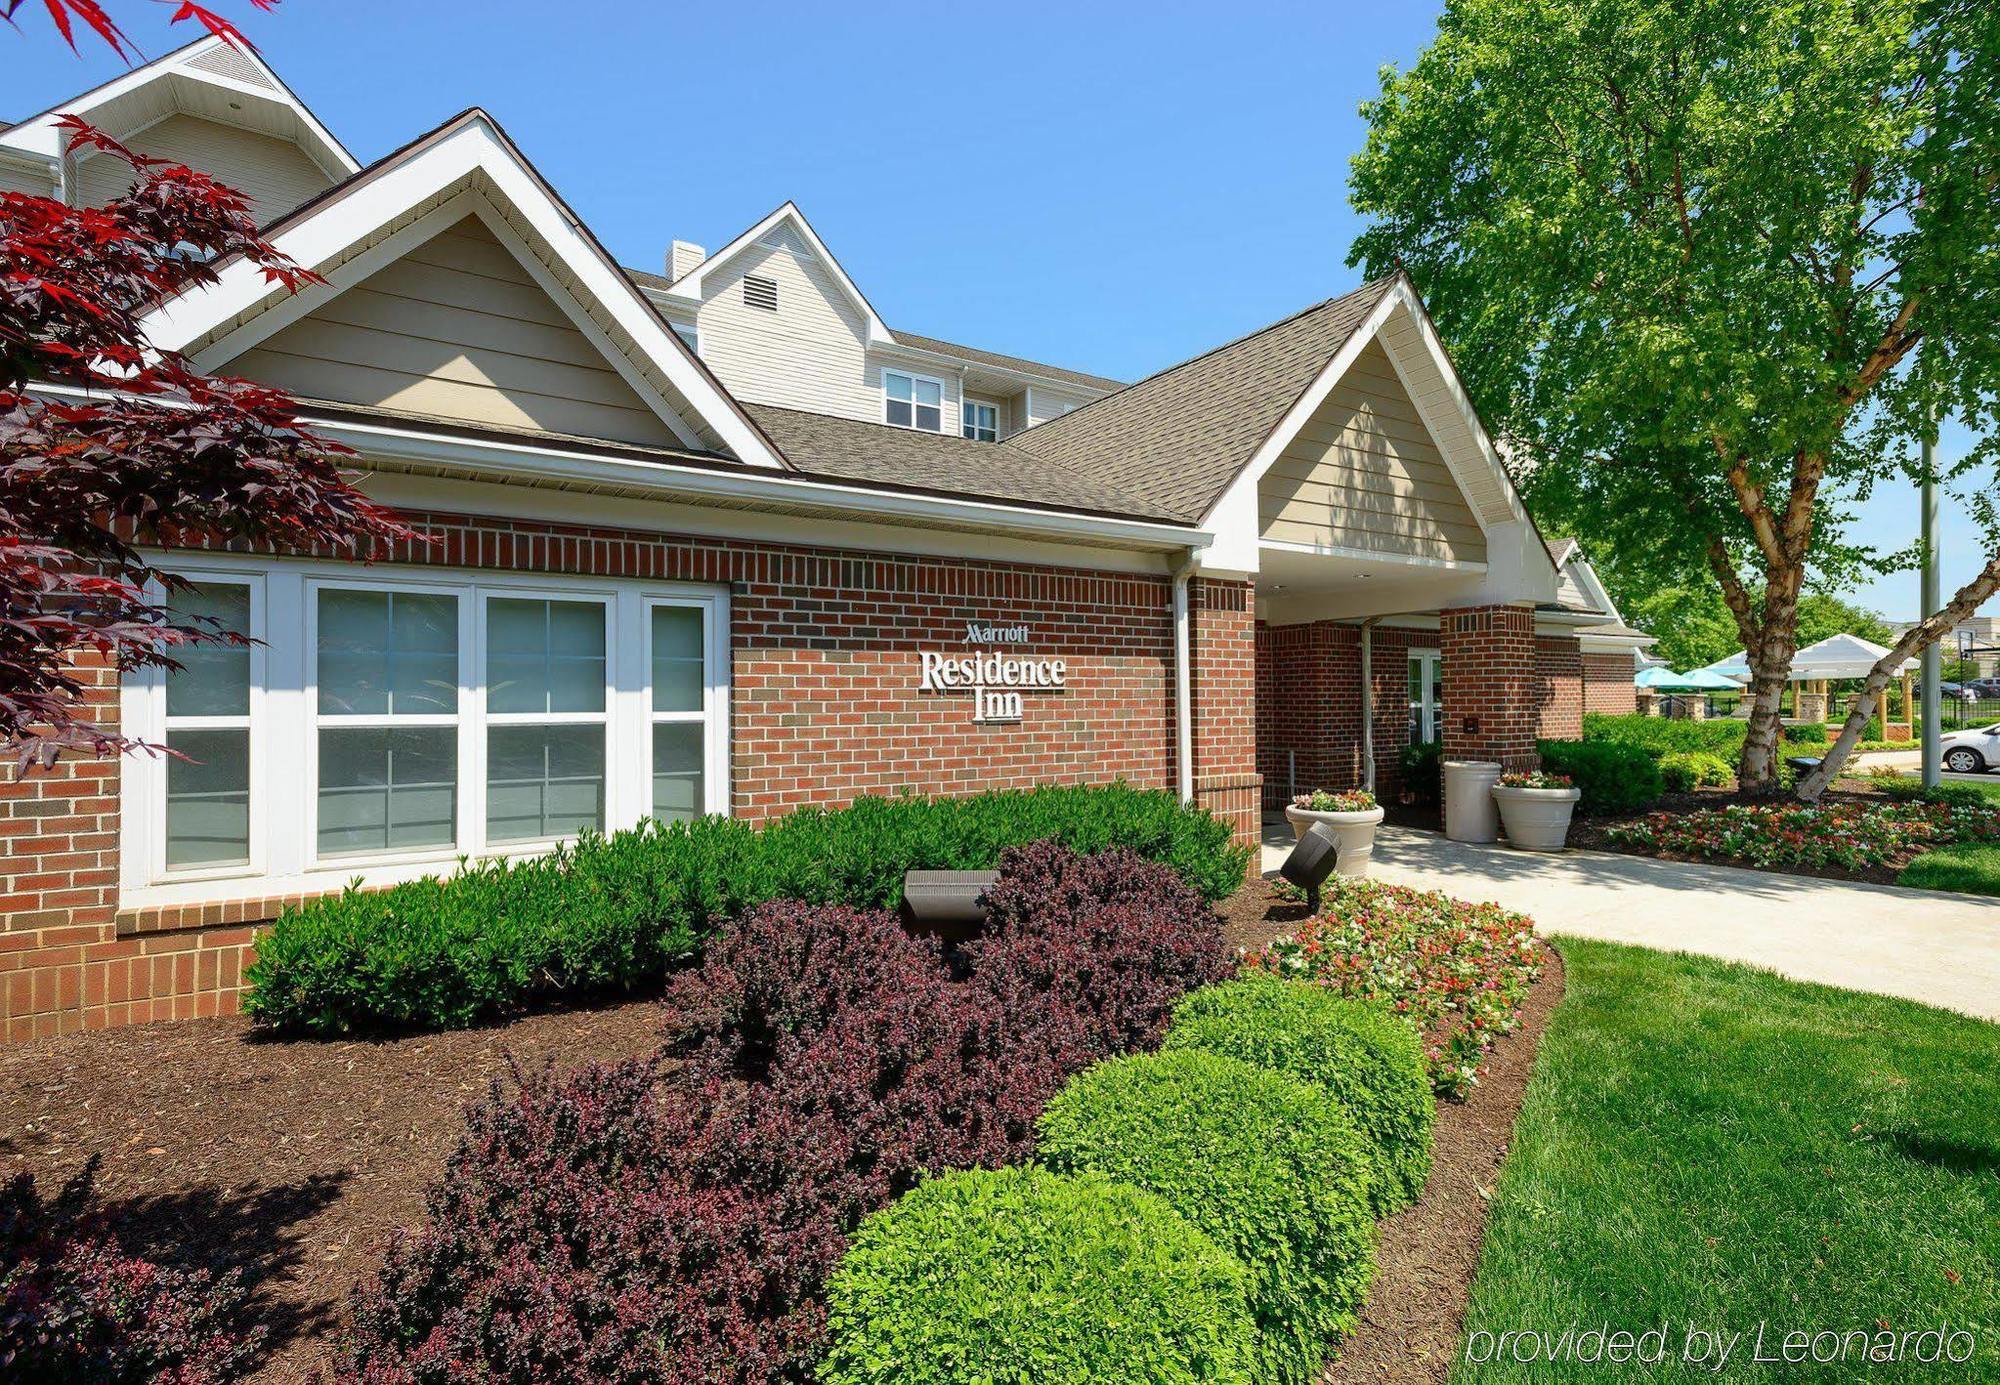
[[292, 1162], [1426, 1254], [296, 1163]]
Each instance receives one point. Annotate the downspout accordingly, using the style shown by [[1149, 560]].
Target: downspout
[[1183, 683]]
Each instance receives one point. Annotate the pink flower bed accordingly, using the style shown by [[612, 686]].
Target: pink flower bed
[[1852, 836], [1458, 971]]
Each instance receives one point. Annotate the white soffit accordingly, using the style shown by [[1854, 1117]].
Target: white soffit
[[468, 165]]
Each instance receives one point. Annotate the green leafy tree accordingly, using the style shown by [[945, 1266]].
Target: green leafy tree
[[1707, 266]]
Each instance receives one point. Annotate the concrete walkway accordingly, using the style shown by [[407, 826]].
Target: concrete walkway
[[1943, 949]]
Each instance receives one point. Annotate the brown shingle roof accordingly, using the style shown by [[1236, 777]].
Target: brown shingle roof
[[875, 453], [994, 358], [1177, 439]]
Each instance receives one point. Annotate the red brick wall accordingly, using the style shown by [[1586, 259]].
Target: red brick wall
[[1491, 685], [1222, 641], [1560, 690], [1607, 684], [824, 708], [1309, 705]]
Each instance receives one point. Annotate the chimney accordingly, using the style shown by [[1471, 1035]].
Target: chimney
[[684, 257]]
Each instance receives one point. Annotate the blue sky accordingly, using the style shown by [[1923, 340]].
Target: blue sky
[[1079, 183]]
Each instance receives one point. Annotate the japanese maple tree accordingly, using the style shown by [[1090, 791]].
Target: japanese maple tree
[[108, 444]]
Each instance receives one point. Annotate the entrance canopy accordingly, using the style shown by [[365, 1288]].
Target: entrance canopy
[[1837, 656]]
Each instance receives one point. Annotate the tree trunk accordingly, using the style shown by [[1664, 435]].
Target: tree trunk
[[1916, 639], [1770, 659]]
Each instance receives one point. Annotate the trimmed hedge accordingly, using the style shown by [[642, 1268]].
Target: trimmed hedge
[[1695, 769], [1369, 1059], [612, 915], [1020, 1276], [1614, 777], [1263, 1163], [1667, 736]]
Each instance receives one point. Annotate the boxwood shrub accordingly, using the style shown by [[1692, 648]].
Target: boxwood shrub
[[613, 914], [1668, 736], [1695, 769], [1263, 1163], [1614, 777], [1020, 1276], [1367, 1058]]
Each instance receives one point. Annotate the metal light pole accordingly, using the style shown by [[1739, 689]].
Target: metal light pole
[[1932, 599]]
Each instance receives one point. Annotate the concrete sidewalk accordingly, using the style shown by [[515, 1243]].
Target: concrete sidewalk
[[1943, 949]]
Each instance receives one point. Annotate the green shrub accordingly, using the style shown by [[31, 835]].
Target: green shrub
[[1721, 736], [1263, 1163], [1019, 1276], [1423, 772], [1910, 788], [1614, 777], [1806, 733], [1695, 769], [613, 914], [1369, 1059]]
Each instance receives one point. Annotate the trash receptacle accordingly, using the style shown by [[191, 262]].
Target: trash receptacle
[[1469, 814]]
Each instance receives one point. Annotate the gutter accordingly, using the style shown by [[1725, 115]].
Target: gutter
[[1183, 682]]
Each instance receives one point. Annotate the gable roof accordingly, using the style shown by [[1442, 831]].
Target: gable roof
[[209, 78], [688, 286], [371, 218], [1177, 438], [876, 453]]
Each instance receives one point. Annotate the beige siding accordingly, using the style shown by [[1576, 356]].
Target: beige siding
[[1045, 402], [810, 354], [16, 178], [274, 174], [456, 329], [1365, 473]]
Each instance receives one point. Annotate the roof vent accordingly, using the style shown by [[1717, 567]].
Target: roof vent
[[759, 292]]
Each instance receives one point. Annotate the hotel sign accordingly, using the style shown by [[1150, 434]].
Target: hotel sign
[[997, 679]]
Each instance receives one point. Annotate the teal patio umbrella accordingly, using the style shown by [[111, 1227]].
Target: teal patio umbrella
[[1708, 680], [1660, 678]]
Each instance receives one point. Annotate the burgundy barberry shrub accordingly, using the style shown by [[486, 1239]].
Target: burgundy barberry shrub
[[75, 1309], [1090, 953]]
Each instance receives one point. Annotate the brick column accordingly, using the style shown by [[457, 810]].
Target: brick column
[[1222, 641], [1491, 687]]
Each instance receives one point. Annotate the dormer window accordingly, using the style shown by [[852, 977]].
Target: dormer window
[[912, 401], [981, 421]]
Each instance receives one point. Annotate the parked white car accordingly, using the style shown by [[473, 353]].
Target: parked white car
[[1969, 752]]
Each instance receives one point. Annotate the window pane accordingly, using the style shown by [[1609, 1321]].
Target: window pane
[[678, 666], [544, 656], [970, 414], [214, 679], [208, 798], [677, 771], [423, 669], [543, 781], [899, 413], [387, 789], [930, 419], [354, 652], [930, 392], [898, 386]]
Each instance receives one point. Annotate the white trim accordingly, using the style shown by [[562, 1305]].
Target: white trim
[[473, 147], [1026, 378], [285, 724], [689, 285], [944, 393], [973, 401], [1370, 555]]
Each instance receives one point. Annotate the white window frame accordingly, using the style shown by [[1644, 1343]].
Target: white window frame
[[317, 721], [149, 845], [973, 401], [945, 399], [284, 725], [1430, 675]]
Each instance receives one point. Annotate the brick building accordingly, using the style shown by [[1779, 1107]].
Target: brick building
[[721, 541]]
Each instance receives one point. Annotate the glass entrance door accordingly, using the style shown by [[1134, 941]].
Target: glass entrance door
[[1426, 696]]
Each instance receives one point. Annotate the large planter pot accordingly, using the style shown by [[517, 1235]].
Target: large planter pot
[[1355, 830], [1536, 819]]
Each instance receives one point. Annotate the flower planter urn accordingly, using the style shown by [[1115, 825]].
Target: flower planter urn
[[1536, 819], [1355, 830]]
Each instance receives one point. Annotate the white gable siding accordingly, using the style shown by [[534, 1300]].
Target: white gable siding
[[456, 329], [15, 178], [1365, 473], [810, 354], [1045, 402], [274, 174]]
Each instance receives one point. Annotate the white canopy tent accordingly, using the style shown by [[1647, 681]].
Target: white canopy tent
[[1836, 657]]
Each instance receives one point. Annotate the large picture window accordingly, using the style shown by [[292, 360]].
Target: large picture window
[[380, 726]]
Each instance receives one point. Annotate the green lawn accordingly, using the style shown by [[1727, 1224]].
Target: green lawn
[[1968, 868], [1709, 1146]]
